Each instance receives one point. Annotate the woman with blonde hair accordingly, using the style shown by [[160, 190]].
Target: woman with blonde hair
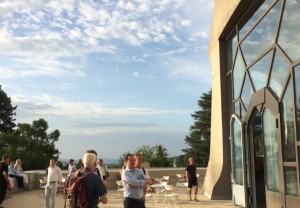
[[20, 171]]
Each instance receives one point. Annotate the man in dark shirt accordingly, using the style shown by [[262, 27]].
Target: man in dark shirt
[[95, 189], [3, 178], [191, 177]]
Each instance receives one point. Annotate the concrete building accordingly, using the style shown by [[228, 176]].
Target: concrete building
[[255, 133]]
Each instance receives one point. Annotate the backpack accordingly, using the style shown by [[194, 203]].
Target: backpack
[[75, 191]]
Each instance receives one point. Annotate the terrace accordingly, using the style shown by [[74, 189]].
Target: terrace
[[34, 198]]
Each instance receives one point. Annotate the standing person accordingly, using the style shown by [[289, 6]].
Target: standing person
[[71, 168], [139, 161], [191, 177], [134, 182], [53, 178], [95, 190], [3, 178], [12, 172], [104, 171], [20, 171]]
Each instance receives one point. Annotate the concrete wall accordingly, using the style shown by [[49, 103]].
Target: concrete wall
[[217, 179]]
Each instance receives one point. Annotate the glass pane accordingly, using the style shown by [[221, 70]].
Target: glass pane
[[279, 73], [297, 91], [290, 41], [271, 151], [260, 70], [257, 135], [247, 92], [262, 36], [238, 74], [231, 50], [291, 182], [237, 108], [254, 18], [243, 113], [287, 125], [237, 151]]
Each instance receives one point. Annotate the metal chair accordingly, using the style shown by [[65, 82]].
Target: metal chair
[[43, 183], [171, 196], [120, 188], [182, 185]]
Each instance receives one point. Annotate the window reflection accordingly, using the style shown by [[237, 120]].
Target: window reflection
[[288, 40], [297, 91], [254, 18], [271, 151], [262, 36], [291, 182], [231, 50], [260, 71], [238, 74], [237, 151], [288, 137], [247, 92], [279, 73]]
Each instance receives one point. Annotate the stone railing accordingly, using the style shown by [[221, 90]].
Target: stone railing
[[35, 175]]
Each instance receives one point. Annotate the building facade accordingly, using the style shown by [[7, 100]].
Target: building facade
[[255, 133]]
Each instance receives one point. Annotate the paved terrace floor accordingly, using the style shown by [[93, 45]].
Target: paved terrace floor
[[35, 199]]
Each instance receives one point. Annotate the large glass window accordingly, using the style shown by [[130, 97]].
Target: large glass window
[[291, 182], [287, 121], [271, 150], [297, 89], [237, 153]]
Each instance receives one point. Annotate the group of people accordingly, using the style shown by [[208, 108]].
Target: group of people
[[10, 169], [135, 179], [95, 187]]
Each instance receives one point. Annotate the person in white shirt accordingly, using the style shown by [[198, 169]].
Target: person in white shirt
[[71, 168], [20, 171], [54, 177]]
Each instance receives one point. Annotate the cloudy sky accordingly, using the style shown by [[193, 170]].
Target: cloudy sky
[[111, 75]]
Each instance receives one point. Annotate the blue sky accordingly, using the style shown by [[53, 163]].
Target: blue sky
[[111, 75]]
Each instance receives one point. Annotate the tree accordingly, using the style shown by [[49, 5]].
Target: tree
[[32, 144], [160, 157], [147, 152], [157, 156], [7, 113], [199, 136]]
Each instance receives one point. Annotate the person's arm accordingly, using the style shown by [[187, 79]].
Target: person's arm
[[59, 175], [103, 199], [5, 174]]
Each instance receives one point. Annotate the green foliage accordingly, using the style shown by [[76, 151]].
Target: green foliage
[[199, 136], [7, 113], [157, 156], [31, 144], [160, 157]]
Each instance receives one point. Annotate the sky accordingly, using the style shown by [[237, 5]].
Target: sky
[[110, 75]]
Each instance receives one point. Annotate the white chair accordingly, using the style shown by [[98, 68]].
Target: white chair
[[120, 188], [43, 183], [171, 196], [61, 186], [182, 185], [180, 177]]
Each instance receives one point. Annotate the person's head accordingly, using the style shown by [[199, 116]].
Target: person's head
[[12, 163], [130, 161], [93, 152], [138, 160], [100, 162], [89, 160], [52, 163], [5, 159], [71, 161], [191, 160], [18, 162]]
